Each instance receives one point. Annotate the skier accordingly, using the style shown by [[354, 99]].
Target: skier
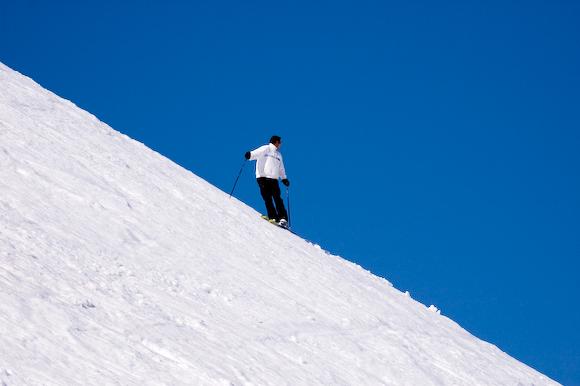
[[269, 168]]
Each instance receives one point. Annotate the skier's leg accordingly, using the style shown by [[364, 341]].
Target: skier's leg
[[279, 202], [266, 192]]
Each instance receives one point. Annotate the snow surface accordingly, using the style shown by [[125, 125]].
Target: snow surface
[[119, 267]]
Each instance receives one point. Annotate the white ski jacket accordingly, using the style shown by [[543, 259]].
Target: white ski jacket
[[269, 162]]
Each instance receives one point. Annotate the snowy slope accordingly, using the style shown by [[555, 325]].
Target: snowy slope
[[117, 266]]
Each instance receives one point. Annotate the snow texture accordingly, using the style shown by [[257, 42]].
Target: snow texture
[[119, 267]]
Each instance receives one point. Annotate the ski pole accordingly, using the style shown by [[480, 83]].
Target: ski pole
[[239, 174], [288, 204]]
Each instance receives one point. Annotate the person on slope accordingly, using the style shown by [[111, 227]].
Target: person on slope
[[270, 168]]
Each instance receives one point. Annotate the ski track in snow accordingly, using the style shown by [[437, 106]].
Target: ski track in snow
[[118, 267]]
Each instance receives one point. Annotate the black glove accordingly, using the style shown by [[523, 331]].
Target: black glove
[[286, 182], [247, 155]]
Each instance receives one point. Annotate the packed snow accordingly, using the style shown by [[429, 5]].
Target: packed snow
[[119, 267]]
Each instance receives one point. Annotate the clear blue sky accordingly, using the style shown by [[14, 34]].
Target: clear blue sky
[[434, 143]]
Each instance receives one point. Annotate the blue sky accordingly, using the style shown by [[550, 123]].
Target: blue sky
[[435, 145]]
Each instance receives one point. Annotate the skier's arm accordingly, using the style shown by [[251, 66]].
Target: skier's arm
[[282, 170], [255, 154]]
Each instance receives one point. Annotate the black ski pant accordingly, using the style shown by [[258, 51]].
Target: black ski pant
[[270, 190]]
